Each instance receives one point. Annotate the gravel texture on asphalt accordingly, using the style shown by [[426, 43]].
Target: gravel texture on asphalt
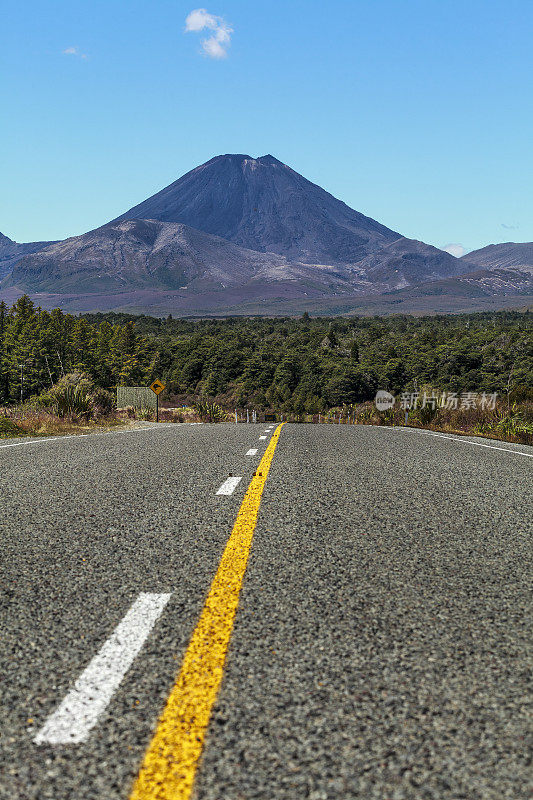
[[381, 646], [87, 524], [383, 641]]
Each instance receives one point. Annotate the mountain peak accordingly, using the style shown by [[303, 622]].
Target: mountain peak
[[270, 159], [227, 157], [263, 205]]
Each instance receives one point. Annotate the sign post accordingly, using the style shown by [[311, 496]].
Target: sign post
[[157, 387]]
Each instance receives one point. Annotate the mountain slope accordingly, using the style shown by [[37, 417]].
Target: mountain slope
[[405, 262], [264, 205], [148, 254], [502, 256], [142, 254], [11, 252]]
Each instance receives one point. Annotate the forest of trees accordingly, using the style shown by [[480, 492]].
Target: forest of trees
[[305, 364]]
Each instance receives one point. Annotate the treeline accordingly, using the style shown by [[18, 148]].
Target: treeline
[[305, 364], [38, 347]]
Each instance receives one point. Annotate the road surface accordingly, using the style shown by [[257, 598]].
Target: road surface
[[381, 644]]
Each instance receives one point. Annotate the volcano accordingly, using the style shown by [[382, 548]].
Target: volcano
[[250, 235], [262, 204]]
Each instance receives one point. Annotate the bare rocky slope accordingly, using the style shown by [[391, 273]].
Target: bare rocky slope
[[130, 255], [406, 262], [11, 252], [502, 256], [148, 254]]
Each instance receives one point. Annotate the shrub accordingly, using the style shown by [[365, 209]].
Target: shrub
[[9, 428], [387, 417], [76, 396], [210, 412], [73, 401], [366, 414], [146, 414], [427, 415], [521, 394]]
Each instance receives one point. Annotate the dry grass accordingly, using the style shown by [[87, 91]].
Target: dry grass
[[180, 414], [28, 421], [508, 425]]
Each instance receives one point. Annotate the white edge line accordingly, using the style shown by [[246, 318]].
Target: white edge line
[[229, 485], [455, 439], [74, 436], [35, 441], [79, 711]]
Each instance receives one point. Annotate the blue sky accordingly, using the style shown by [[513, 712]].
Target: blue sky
[[418, 113]]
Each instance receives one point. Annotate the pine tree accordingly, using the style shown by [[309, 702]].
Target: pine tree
[[21, 348], [4, 373]]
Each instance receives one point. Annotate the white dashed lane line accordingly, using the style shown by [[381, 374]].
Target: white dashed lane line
[[229, 485], [252, 451], [79, 711], [262, 437]]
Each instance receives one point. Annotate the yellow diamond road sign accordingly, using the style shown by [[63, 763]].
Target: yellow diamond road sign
[[157, 386]]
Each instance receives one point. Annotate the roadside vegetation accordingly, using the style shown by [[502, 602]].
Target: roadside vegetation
[[515, 425], [60, 370], [73, 405], [27, 420]]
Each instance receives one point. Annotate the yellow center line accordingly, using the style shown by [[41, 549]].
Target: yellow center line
[[169, 766]]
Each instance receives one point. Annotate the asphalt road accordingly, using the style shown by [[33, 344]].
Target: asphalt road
[[382, 643]]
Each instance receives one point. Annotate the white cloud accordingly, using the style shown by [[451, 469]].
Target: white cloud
[[454, 249], [510, 227], [200, 19], [74, 51], [216, 45]]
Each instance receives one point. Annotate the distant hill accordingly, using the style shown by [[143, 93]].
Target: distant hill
[[129, 255], [11, 252], [406, 262], [502, 256], [264, 205]]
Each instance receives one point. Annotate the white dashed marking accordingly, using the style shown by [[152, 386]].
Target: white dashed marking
[[79, 711], [229, 485], [252, 451]]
